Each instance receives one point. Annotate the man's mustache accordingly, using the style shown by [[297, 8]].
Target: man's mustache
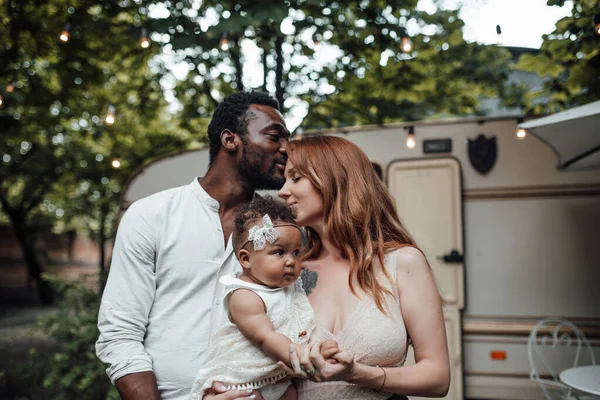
[[281, 160]]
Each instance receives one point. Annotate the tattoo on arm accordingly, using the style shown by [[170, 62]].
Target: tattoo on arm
[[309, 280]]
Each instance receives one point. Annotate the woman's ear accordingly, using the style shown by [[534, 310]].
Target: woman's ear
[[229, 141], [244, 258]]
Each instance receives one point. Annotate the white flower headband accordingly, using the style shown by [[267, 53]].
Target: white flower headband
[[260, 235]]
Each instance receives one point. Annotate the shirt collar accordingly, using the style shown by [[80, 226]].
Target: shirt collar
[[201, 195], [204, 197]]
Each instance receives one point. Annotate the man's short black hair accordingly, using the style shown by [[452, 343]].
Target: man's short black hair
[[252, 214], [232, 113]]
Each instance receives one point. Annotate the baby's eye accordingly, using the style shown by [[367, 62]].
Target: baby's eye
[[296, 253], [279, 252]]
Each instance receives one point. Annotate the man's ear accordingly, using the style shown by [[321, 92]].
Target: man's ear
[[229, 141], [244, 258]]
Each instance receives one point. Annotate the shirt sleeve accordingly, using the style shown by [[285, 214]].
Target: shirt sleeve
[[128, 296]]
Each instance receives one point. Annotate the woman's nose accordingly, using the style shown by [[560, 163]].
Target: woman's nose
[[283, 192]]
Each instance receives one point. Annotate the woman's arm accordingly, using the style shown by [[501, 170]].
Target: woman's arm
[[424, 321], [422, 313]]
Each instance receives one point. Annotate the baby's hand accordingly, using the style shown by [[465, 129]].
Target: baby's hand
[[329, 348]]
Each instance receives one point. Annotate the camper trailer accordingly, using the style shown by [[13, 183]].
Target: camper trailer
[[511, 239]]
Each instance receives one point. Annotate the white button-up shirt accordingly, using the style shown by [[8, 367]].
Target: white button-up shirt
[[158, 310]]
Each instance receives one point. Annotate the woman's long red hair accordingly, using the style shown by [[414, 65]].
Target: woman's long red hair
[[359, 213]]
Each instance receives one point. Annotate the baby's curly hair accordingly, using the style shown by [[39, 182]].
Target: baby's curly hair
[[252, 213]]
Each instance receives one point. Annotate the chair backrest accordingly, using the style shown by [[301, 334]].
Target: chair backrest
[[555, 345]]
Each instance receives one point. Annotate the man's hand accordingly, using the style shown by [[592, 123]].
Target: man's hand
[[219, 392]]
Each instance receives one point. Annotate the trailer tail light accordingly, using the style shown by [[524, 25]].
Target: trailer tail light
[[498, 355]]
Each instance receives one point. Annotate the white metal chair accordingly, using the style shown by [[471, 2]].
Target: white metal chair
[[555, 345]]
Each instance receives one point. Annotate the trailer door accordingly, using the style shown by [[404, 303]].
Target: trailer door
[[428, 197]]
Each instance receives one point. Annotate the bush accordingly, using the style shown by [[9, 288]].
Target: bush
[[69, 369]]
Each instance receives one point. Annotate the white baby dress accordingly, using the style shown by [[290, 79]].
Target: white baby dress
[[235, 361]]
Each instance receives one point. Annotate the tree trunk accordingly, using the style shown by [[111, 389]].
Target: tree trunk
[[104, 210], [265, 68], [279, 89], [236, 55], [102, 241], [27, 242]]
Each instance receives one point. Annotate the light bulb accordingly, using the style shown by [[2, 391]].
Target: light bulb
[[116, 163], [521, 133], [10, 87], [406, 45], [224, 44], [144, 40], [499, 33], [109, 118], [1, 100], [597, 23], [65, 35], [410, 138]]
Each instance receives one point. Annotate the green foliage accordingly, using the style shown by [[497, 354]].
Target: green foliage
[[56, 149], [569, 61], [342, 59], [70, 370]]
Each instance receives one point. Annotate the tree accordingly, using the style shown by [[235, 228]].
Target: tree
[[332, 56], [569, 61], [55, 97]]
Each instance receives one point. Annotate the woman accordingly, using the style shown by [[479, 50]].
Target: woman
[[370, 286]]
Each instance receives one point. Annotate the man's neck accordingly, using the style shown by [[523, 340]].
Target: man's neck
[[227, 187]]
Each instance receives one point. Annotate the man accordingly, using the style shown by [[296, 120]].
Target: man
[[158, 308]]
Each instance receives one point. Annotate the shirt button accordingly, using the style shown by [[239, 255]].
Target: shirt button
[[217, 302], [219, 229]]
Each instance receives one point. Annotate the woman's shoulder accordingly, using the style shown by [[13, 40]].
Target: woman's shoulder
[[406, 259]]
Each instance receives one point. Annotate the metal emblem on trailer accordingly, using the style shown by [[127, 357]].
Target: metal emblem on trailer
[[483, 153]]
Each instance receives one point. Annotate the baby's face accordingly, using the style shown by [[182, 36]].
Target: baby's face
[[277, 265]]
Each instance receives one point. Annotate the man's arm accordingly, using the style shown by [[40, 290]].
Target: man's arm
[[126, 303], [141, 385]]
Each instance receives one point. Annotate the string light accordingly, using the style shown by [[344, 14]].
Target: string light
[[597, 23], [521, 133], [410, 138], [499, 34], [116, 163], [65, 35], [316, 43], [109, 118], [1, 100], [10, 87], [224, 44], [144, 40], [406, 45]]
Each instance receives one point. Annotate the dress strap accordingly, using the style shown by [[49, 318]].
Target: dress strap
[[233, 283]]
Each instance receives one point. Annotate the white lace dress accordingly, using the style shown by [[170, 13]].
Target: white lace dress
[[373, 338], [236, 362]]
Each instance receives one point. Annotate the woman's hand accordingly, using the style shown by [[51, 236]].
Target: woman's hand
[[308, 363]]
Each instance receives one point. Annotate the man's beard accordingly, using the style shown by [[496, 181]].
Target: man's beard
[[250, 167]]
